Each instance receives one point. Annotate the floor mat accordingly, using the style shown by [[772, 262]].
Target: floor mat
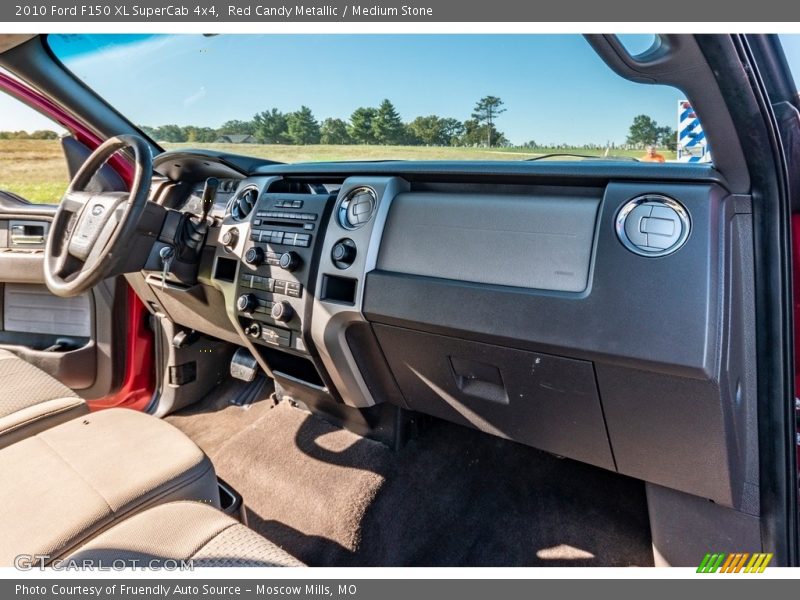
[[211, 422], [451, 497], [459, 497], [306, 483]]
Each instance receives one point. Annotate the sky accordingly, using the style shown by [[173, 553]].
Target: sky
[[555, 88]]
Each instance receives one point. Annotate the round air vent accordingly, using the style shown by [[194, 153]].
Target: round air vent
[[653, 225], [242, 205], [357, 207]]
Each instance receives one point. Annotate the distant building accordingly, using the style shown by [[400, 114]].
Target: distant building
[[235, 139]]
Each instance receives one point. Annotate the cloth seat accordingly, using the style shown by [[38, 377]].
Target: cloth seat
[[31, 400], [181, 531], [66, 484]]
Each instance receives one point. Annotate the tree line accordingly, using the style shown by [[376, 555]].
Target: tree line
[[39, 134], [380, 125]]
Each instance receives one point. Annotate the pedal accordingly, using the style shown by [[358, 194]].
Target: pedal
[[244, 365]]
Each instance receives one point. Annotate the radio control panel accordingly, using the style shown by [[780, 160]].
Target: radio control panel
[[278, 265]]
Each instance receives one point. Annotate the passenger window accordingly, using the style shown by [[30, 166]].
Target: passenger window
[[32, 163]]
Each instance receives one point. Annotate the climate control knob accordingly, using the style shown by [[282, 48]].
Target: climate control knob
[[246, 302], [254, 256], [290, 261], [282, 311]]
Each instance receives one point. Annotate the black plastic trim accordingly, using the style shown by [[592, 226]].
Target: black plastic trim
[[739, 80], [577, 173]]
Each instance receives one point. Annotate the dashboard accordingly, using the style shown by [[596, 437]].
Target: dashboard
[[600, 312]]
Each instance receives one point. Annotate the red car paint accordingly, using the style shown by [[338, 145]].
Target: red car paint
[[137, 386]]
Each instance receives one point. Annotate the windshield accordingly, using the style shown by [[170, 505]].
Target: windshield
[[297, 98]]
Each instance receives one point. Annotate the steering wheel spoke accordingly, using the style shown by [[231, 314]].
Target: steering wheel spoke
[[74, 201], [66, 266]]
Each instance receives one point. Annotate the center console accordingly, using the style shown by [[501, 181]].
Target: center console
[[277, 275]]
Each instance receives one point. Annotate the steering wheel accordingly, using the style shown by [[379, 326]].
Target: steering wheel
[[91, 230]]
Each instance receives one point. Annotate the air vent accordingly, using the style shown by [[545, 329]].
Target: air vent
[[653, 225], [244, 202], [357, 207]]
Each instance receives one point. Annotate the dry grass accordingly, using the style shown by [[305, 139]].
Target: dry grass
[[36, 170], [319, 153]]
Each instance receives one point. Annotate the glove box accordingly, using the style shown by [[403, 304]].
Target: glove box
[[545, 401]]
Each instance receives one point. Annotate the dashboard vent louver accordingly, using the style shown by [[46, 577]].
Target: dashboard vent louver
[[357, 207], [243, 203]]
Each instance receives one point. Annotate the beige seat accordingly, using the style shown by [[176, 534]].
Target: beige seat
[[66, 484], [31, 400], [181, 531]]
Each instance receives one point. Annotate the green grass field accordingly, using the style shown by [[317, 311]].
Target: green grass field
[[36, 170]]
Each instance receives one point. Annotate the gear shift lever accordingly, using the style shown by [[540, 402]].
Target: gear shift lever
[[195, 228], [209, 195]]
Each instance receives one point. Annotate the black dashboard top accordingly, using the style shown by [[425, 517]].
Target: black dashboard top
[[197, 164], [595, 171]]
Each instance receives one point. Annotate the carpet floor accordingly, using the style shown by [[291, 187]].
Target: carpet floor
[[450, 497]]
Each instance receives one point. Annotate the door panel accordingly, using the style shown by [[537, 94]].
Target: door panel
[[33, 309], [69, 338]]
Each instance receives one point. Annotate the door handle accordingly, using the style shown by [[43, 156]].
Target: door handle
[[27, 240], [27, 234]]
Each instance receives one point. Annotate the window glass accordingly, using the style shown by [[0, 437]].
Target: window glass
[[637, 44], [32, 164], [365, 97]]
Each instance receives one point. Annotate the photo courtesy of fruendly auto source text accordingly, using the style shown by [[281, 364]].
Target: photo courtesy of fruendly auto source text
[[398, 299]]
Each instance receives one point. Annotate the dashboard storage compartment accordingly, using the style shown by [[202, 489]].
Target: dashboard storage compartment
[[540, 400]]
